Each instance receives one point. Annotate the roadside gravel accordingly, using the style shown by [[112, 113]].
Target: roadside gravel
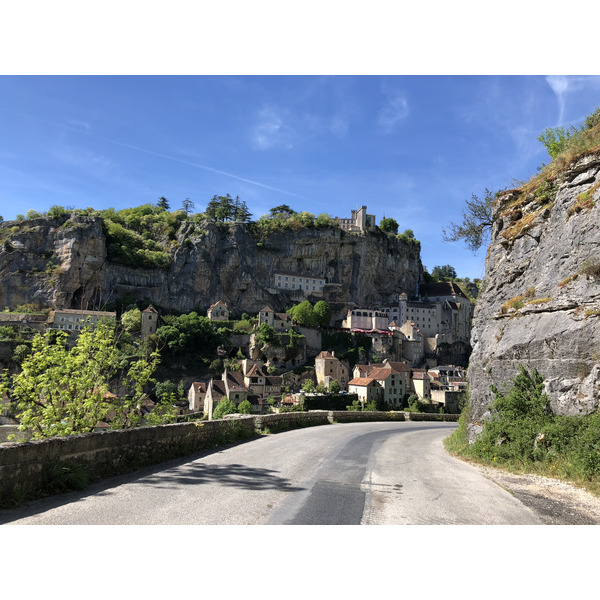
[[555, 502]]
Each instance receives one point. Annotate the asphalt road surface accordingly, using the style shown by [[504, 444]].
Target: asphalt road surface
[[344, 474]]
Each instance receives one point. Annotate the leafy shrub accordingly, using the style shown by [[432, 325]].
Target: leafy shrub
[[224, 407]]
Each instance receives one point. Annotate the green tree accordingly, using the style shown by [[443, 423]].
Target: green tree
[[166, 391], [308, 385], [56, 212], [389, 225], [303, 314], [334, 386], [476, 224], [63, 391], [187, 206], [163, 203], [265, 334], [224, 407], [131, 320], [323, 220], [244, 407], [322, 313], [20, 353], [283, 211], [445, 273]]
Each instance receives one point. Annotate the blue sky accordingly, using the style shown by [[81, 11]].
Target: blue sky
[[409, 147]]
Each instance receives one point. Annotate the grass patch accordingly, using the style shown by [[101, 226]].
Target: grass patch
[[523, 435], [585, 201], [517, 302]]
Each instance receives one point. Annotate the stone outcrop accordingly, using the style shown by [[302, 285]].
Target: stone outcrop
[[540, 304], [64, 262]]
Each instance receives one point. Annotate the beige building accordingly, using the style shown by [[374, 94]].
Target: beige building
[[196, 395], [259, 383], [279, 321], [218, 312], [359, 221], [149, 321], [328, 367], [73, 320], [231, 386], [295, 282], [421, 384], [363, 319], [393, 384], [366, 388]]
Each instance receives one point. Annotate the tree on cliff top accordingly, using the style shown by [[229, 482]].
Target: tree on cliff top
[[476, 224]]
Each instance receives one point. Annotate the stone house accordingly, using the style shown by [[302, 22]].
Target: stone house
[[393, 384], [231, 386], [413, 346], [259, 383], [328, 367], [218, 312], [279, 321], [421, 384], [366, 388], [149, 321], [196, 395]]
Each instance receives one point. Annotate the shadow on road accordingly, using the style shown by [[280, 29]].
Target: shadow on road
[[167, 475]]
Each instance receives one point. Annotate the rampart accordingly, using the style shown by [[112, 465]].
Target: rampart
[[35, 468]]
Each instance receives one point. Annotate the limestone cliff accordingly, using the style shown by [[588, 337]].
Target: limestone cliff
[[64, 262], [540, 305]]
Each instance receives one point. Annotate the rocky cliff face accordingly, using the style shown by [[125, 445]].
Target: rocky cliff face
[[541, 301], [63, 262]]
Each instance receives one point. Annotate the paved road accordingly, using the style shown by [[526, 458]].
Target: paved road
[[350, 474]]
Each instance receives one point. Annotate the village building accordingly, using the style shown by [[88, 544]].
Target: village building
[[359, 221], [261, 384], [74, 320], [279, 321], [149, 321], [196, 395], [307, 284], [231, 386], [440, 311], [421, 384], [328, 368], [363, 319], [366, 388], [393, 384], [218, 312]]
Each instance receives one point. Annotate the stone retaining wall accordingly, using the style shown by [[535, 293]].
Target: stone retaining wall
[[27, 469]]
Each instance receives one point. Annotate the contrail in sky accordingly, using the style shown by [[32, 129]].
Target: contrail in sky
[[196, 165], [84, 129]]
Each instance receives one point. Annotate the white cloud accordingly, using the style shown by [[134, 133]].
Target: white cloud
[[272, 131], [392, 112], [563, 86]]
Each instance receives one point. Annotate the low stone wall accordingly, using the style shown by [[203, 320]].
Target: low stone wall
[[354, 416], [28, 469]]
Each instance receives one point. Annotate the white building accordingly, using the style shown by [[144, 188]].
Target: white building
[[296, 282], [364, 319]]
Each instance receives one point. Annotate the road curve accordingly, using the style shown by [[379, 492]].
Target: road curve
[[382, 473]]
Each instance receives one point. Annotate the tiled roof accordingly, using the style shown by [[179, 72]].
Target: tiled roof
[[361, 381], [150, 309], [446, 288]]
